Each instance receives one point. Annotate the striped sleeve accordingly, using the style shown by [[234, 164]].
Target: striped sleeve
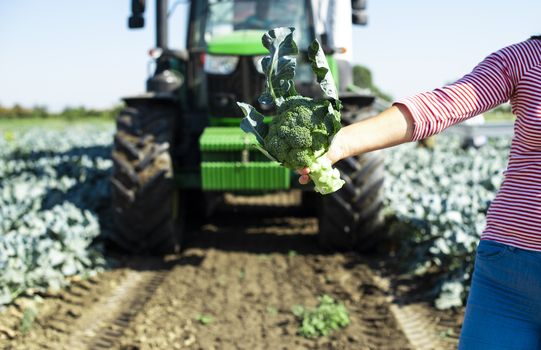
[[488, 85]]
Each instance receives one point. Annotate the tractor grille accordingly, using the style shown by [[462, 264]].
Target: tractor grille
[[245, 84], [231, 161]]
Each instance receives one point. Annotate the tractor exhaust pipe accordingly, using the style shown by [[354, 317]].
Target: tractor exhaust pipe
[[161, 24]]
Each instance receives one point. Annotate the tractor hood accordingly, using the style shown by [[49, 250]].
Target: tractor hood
[[240, 43]]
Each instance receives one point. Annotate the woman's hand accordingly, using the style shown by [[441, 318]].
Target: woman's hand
[[304, 178], [389, 128]]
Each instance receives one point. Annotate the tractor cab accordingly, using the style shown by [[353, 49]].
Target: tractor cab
[[225, 36]]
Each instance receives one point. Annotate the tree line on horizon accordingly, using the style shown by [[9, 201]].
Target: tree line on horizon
[[18, 111]]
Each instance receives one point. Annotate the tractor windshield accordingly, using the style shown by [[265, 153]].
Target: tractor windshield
[[222, 18]]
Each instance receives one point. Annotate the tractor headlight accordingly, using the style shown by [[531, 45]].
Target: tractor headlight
[[257, 63], [220, 64]]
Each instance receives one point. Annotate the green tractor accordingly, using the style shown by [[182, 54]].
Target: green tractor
[[180, 142]]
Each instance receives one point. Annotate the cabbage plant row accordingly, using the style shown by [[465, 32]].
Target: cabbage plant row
[[439, 199], [53, 191]]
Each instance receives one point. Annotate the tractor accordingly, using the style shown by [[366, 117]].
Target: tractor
[[179, 144]]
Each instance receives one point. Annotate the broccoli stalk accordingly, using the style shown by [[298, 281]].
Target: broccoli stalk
[[326, 178], [301, 131]]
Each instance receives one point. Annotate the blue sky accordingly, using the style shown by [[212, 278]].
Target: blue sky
[[67, 53]]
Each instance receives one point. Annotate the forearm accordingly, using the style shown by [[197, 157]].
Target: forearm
[[389, 128]]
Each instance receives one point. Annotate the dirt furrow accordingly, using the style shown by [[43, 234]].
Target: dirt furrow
[[240, 295]]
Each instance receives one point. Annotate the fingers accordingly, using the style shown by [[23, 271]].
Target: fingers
[[304, 179], [303, 171]]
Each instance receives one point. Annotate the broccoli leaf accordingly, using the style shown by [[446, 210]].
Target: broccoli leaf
[[321, 70], [333, 118], [279, 66], [253, 123]]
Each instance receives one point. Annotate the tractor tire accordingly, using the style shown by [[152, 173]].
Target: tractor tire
[[351, 218], [142, 180]]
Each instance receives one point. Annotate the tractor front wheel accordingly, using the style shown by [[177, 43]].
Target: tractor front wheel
[[351, 218], [142, 181]]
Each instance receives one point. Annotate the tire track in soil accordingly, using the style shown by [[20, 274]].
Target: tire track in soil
[[105, 322], [91, 314], [56, 313], [87, 333], [422, 328], [425, 327]]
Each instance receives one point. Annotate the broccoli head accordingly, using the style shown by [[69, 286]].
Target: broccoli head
[[300, 134], [298, 129], [301, 131]]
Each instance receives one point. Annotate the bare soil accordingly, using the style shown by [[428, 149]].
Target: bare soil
[[233, 287]]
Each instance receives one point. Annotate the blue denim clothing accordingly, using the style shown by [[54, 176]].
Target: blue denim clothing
[[504, 306]]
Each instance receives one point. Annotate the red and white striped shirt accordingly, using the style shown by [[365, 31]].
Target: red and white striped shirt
[[510, 74]]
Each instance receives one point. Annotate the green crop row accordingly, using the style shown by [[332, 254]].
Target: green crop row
[[53, 189], [437, 200]]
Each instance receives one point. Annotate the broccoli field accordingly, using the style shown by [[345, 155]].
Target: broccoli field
[[242, 274]]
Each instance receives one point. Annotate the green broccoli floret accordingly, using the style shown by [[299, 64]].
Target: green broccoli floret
[[298, 158], [296, 136], [291, 128], [300, 124], [276, 146], [320, 140]]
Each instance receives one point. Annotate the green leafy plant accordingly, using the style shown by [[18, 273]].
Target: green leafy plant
[[272, 310], [301, 131], [54, 188], [27, 321], [321, 321], [437, 209], [242, 275], [203, 319]]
